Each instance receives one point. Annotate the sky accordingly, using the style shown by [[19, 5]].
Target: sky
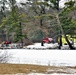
[[61, 2], [21, 0]]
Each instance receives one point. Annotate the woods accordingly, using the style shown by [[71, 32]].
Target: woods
[[30, 21]]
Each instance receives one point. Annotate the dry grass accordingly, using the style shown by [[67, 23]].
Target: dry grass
[[25, 68]]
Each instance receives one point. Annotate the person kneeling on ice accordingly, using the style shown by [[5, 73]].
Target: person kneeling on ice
[[47, 40]]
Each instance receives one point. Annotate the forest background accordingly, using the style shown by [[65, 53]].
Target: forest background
[[30, 21]]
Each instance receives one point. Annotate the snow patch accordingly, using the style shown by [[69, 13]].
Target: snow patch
[[39, 74]]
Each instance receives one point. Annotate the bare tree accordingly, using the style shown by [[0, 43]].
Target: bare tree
[[4, 56]]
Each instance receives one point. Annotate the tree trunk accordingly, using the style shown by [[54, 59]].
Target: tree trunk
[[60, 42], [70, 45], [21, 34]]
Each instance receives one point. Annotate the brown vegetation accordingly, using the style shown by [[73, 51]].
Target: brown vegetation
[[25, 68]]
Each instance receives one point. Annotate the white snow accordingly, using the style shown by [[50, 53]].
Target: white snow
[[38, 46], [42, 57], [50, 74], [39, 74]]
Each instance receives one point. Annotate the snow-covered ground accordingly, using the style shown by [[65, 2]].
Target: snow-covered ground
[[37, 54], [46, 46], [42, 57], [39, 74], [50, 74]]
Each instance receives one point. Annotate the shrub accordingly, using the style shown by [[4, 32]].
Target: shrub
[[4, 56]]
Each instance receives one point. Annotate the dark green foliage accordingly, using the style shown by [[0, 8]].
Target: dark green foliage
[[55, 4], [70, 4], [40, 16], [68, 26], [37, 36], [12, 23]]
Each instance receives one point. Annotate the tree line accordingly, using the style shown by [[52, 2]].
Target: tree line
[[34, 19]]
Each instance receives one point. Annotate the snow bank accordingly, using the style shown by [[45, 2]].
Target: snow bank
[[43, 57]]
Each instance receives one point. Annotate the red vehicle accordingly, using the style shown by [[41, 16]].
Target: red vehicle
[[47, 40]]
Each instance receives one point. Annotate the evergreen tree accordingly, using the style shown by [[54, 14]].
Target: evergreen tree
[[13, 23], [3, 14]]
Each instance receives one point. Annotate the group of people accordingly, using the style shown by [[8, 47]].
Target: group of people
[[5, 43]]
